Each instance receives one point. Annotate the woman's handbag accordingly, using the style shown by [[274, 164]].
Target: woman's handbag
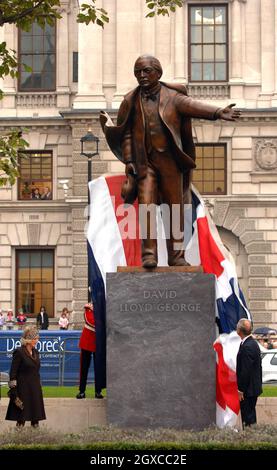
[[12, 394]]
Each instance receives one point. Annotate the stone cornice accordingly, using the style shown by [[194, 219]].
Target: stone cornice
[[248, 114], [72, 116], [265, 115], [233, 200], [77, 201], [84, 115], [38, 207], [244, 201], [56, 122]]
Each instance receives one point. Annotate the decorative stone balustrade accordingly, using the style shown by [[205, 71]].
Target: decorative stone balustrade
[[36, 100], [209, 91]]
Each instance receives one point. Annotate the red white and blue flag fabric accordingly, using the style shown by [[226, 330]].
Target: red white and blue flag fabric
[[227, 402], [113, 240]]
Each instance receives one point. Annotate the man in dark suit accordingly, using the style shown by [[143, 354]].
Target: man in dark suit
[[249, 372], [153, 137], [42, 319]]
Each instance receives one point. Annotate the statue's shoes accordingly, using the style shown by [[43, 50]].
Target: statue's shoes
[[149, 263], [178, 262]]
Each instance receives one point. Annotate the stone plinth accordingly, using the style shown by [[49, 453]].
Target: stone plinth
[[63, 414], [160, 359], [160, 269]]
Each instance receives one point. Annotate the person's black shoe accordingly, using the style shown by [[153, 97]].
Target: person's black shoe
[[81, 395], [98, 395]]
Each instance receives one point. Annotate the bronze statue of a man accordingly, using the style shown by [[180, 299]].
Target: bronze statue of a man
[[153, 138]]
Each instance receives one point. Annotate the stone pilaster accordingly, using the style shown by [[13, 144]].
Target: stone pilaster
[[274, 98], [236, 45], [237, 51], [163, 41], [180, 45], [109, 52], [128, 48], [90, 67], [252, 63], [63, 57], [267, 51], [148, 32], [9, 86]]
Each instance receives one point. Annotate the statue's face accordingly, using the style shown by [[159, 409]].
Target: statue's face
[[145, 73]]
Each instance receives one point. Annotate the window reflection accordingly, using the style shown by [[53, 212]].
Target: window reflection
[[37, 50], [208, 72], [210, 174], [208, 34], [35, 281], [208, 43], [35, 181], [220, 15], [208, 15]]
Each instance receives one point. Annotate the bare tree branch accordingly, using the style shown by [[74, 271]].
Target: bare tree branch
[[18, 16]]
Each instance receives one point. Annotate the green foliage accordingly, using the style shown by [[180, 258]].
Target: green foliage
[[11, 146], [162, 7], [8, 62], [24, 13], [91, 14]]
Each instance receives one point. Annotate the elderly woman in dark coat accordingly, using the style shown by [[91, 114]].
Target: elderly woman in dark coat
[[26, 401]]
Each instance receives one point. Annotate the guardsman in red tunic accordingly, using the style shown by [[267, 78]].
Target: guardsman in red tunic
[[87, 344]]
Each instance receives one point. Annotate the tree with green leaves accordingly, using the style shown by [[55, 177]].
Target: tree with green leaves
[[23, 13], [162, 7]]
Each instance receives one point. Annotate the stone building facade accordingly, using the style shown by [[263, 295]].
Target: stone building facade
[[245, 211]]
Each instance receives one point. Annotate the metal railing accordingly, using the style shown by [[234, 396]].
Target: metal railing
[[60, 364]]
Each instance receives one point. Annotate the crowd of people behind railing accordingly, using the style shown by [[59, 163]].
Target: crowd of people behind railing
[[267, 341], [9, 321]]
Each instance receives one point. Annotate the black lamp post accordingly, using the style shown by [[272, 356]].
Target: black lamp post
[[89, 149]]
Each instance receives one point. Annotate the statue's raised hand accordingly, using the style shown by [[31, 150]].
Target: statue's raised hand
[[228, 113]]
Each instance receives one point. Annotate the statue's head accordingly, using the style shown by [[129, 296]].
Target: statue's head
[[147, 70]]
